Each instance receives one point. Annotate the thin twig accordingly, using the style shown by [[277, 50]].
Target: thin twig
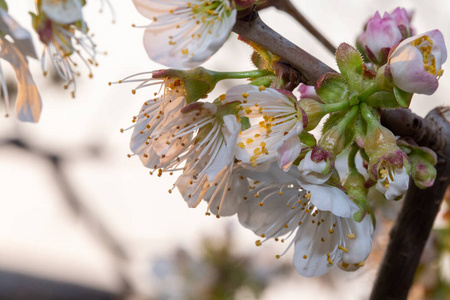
[[290, 9]]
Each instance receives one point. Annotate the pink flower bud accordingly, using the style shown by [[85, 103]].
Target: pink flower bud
[[415, 65], [403, 20], [381, 35]]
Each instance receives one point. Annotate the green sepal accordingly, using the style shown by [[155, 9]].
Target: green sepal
[[261, 61], [265, 80], [3, 5], [231, 108], [307, 139], [382, 99], [34, 20], [351, 65], [245, 123], [403, 98], [195, 89], [333, 120], [332, 88], [364, 155], [360, 131], [354, 184]]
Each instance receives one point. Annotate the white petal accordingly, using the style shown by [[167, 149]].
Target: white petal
[[180, 42], [398, 186], [28, 101], [65, 12], [153, 8], [271, 218], [22, 38], [289, 152], [233, 197], [310, 255], [311, 171], [360, 246], [329, 198]]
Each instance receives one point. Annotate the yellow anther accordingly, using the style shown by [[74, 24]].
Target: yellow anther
[[263, 235], [343, 249], [277, 256], [305, 257], [248, 110], [185, 51], [351, 236], [258, 243], [261, 88], [280, 193], [245, 95], [330, 230], [300, 223], [249, 141], [286, 226], [308, 195], [222, 97], [257, 151], [241, 145], [344, 265]]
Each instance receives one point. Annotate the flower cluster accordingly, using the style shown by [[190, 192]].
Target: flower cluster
[[66, 40], [251, 152]]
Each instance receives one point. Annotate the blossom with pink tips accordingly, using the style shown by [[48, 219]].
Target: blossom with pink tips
[[416, 63]]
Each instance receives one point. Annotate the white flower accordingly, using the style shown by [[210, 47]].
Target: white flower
[[322, 239], [61, 28], [276, 120], [185, 33], [156, 121], [209, 173], [392, 182], [28, 101]]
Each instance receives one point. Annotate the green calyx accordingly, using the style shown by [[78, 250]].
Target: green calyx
[[339, 130], [231, 108], [199, 82]]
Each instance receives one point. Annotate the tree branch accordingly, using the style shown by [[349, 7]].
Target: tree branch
[[290, 9], [257, 31], [420, 207]]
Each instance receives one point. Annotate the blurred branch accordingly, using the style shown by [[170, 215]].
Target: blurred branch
[[78, 208], [420, 207], [290, 9], [14, 286]]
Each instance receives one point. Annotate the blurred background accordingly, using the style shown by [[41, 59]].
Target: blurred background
[[81, 220]]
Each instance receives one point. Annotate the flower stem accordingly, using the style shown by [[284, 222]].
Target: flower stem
[[332, 107], [368, 92], [351, 158], [245, 74], [367, 114], [349, 116]]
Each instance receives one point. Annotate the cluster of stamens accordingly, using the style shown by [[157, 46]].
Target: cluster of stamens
[[425, 44]]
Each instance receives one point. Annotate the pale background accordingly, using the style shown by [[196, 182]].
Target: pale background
[[40, 235]]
